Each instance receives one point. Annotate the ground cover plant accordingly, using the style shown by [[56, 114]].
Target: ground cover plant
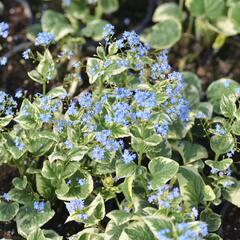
[[112, 141]]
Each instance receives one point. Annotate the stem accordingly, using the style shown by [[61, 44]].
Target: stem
[[216, 157], [118, 204], [141, 147], [181, 4], [44, 87], [190, 25]]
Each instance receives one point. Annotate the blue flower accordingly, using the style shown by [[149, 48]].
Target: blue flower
[[98, 153], [132, 38], [44, 39], [119, 43], [19, 144], [39, 206], [122, 111], [219, 129], [26, 53], [195, 212], [128, 157], [122, 93], [152, 198], [81, 181], [4, 27], [75, 205], [145, 99], [162, 129], [3, 61], [6, 197], [108, 32], [76, 65], [67, 2], [45, 117], [102, 136], [203, 229], [83, 216], [144, 115], [86, 100], [68, 144], [19, 93], [72, 110], [162, 234]]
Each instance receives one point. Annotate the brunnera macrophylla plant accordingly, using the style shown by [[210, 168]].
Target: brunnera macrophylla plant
[[116, 141]]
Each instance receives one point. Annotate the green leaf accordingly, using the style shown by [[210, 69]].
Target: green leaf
[[108, 6], [137, 230], [20, 183], [87, 234], [95, 212], [35, 76], [92, 69], [155, 224], [28, 219], [233, 195], [44, 187], [190, 152], [125, 170], [214, 8], [191, 186], [11, 147], [4, 121], [22, 196], [233, 14], [236, 127], [77, 191], [127, 188], [209, 194], [56, 23], [222, 165], [206, 108], [212, 219], [8, 211], [219, 88], [228, 107], [78, 153], [162, 170], [213, 236], [78, 9], [113, 231], [94, 29], [167, 10], [40, 234], [196, 7], [179, 129], [28, 115], [46, 66], [164, 34], [162, 149], [57, 170], [119, 216], [222, 143], [192, 79], [57, 92]]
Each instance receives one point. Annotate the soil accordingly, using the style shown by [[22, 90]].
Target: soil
[[188, 54]]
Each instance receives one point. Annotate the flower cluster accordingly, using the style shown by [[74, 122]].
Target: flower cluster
[[4, 27], [164, 197], [185, 231], [44, 39], [219, 130], [7, 104], [39, 206], [77, 206]]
